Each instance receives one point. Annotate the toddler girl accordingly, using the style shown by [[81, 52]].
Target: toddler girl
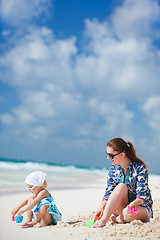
[[39, 204]]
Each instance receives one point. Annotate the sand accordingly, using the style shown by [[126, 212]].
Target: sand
[[78, 207]]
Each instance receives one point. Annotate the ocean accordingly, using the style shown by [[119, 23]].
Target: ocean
[[13, 173]]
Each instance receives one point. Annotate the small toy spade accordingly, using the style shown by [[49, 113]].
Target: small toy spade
[[90, 223]]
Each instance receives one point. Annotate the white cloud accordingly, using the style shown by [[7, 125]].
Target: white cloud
[[152, 104], [18, 12], [22, 116], [152, 109], [39, 103], [118, 65], [38, 57], [6, 119], [135, 18], [106, 119], [19, 116], [38, 133]]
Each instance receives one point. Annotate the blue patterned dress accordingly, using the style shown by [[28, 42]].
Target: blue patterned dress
[[52, 208], [136, 180]]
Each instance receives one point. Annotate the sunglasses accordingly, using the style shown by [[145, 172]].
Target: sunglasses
[[30, 188], [111, 156]]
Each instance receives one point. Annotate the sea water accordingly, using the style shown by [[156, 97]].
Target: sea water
[[14, 172]]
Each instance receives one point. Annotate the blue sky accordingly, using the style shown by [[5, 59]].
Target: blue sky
[[74, 74]]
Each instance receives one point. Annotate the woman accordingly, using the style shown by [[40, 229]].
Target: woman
[[127, 185]]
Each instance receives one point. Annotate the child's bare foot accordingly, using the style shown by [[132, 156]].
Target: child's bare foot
[[42, 225], [27, 224], [24, 224]]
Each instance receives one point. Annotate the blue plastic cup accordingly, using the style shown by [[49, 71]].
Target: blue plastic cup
[[18, 219]]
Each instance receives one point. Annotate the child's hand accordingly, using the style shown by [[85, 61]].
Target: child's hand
[[14, 211], [19, 213]]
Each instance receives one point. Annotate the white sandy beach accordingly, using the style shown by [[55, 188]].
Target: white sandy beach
[[78, 207]]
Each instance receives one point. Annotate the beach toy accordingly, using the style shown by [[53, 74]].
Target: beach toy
[[18, 219], [133, 210], [90, 223], [13, 219]]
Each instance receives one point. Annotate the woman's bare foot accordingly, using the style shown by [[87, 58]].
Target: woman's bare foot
[[114, 219], [98, 224]]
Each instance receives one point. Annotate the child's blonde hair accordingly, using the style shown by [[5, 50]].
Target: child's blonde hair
[[44, 184]]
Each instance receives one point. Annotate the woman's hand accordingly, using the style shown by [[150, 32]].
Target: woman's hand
[[99, 214], [132, 204], [100, 211], [136, 202]]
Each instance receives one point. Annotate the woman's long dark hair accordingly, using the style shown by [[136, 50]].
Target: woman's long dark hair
[[119, 145]]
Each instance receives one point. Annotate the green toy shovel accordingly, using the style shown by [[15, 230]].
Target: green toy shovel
[[90, 223]]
